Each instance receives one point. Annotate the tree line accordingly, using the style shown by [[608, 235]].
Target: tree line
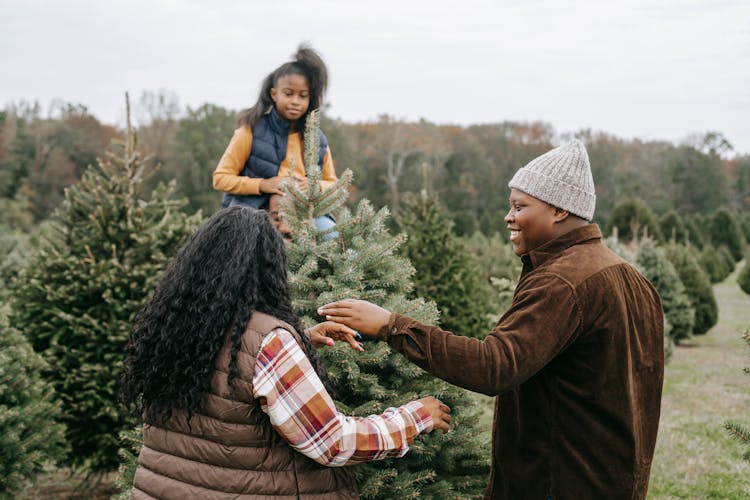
[[466, 167]]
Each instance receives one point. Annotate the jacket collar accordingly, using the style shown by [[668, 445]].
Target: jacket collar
[[278, 124], [552, 248]]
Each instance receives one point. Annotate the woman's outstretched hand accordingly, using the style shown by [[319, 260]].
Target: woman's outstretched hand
[[440, 413], [365, 317], [328, 331]]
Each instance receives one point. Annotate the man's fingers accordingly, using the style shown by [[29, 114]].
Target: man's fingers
[[339, 304], [344, 320]]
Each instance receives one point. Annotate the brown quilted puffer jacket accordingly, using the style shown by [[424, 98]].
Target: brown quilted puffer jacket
[[230, 449]]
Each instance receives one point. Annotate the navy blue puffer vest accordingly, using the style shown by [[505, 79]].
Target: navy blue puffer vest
[[270, 138]]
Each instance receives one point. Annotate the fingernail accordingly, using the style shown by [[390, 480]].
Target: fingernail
[[330, 342], [361, 347], [359, 335]]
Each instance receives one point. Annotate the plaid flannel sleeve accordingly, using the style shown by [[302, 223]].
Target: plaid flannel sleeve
[[303, 413]]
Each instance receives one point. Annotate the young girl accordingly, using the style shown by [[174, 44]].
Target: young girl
[[230, 387], [269, 138]]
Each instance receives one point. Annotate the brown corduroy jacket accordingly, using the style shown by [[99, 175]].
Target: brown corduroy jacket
[[576, 364], [230, 450]]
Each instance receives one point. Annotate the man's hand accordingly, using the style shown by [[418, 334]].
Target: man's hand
[[328, 331], [365, 317], [440, 413]]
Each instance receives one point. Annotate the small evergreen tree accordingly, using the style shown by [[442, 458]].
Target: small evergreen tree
[[725, 231], [445, 271], [623, 251], [744, 222], [495, 255], [725, 256], [736, 430], [673, 227], [361, 261], [30, 437], [78, 298], [714, 266], [697, 286], [496, 258], [131, 441], [655, 266], [743, 279], [693, 228], [634, 220]]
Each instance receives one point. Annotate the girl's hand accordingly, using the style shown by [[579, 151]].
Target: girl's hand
[[363, 316], [440, 413], [328, 331], [271, 185]]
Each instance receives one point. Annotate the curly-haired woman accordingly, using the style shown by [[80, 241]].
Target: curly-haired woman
[[232, 394]]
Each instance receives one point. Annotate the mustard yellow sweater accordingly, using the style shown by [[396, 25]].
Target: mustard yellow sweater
[[227, 176]]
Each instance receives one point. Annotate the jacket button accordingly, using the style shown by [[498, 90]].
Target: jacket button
[[394, 330]]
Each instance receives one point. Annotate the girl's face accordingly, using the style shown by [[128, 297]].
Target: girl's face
[[291, 94]]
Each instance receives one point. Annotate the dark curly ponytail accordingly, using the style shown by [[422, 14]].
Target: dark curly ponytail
[[306, 62]]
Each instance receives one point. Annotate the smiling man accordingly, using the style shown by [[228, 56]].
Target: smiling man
[[576, 362]]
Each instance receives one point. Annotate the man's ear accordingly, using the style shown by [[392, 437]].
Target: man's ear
[[560, 214]]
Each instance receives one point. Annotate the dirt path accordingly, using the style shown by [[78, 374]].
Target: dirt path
[[704, 385]]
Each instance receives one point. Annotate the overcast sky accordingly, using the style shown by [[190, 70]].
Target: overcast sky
[[652, 69]]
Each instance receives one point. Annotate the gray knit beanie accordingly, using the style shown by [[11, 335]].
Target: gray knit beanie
[[561, 177]]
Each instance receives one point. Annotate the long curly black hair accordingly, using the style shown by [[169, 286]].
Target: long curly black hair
[[306, 62], [233, 265]]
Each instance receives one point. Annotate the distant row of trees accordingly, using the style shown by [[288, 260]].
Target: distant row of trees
[[466, 167]]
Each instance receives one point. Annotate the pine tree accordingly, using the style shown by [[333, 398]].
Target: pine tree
[[131, 441], [30, 438], [496, 259], [445, 271], [673, 227], [694, 233], [740, 431], [361, 260], [713, 265], [697, 287], [725, 231], [743, 278], [80, 294], [613, 243], [725, 256], [654, 265], [634, 220], [744, 223]]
